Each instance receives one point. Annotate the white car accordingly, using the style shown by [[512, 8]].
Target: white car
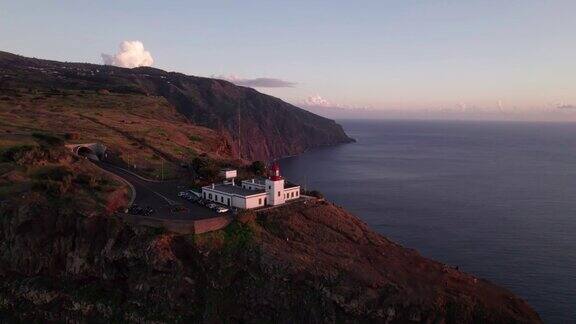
[[221, 209]]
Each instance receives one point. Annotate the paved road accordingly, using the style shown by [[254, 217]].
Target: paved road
[[162, 196]]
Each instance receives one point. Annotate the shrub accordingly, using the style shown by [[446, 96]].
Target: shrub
[[205, 167], [48, 139], [194, 138], [314, 193], [55, 173], [258, 167], [11, 154]]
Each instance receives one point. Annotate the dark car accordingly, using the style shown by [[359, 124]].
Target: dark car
[[148, 211], [135, 210]]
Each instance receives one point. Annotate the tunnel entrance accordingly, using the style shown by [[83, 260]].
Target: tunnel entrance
[[87, 153]]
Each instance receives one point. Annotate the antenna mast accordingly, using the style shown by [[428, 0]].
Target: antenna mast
[[239, 137]]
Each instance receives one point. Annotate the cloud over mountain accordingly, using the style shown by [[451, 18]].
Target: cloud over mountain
[[318, 101], [256, 82], [131, 54]]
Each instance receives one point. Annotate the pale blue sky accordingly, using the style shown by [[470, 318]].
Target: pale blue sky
[[385, 54]]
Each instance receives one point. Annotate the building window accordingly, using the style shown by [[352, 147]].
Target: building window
[[210, 196], [259, 201], [297, 192], [204, 195], [269, 187], [228, 201], [292, 194], [278, 193], [221, 199]]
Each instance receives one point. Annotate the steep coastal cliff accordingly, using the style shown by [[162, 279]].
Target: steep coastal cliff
[[268, 127], [312, 263]]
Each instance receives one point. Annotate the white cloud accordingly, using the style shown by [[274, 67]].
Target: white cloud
[[318, 101], [131, 54], [256, 82], [563, 106]]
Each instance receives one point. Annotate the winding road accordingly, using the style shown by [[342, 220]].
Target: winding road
[[162, 196]]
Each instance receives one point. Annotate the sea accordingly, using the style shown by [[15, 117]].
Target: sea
[[496, 199]]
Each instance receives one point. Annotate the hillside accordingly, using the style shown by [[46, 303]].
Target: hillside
[[61, 261], [141, 131], [269, 127]]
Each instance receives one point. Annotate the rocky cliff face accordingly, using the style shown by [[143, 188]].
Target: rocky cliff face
[[263, 127], [304, 263]]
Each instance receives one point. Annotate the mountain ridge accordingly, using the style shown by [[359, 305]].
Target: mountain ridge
[[269, 128]]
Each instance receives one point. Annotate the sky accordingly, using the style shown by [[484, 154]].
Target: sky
[[379, 55]]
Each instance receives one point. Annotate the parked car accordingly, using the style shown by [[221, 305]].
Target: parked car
[[148, 211], [221, 209], [183, 194], [212, 205], [135, 210], [192, 198]]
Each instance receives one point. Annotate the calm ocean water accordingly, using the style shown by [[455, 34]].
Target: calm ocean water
[[496, 199]]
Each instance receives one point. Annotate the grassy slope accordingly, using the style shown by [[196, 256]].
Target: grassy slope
[[141, 130], [52, 178]]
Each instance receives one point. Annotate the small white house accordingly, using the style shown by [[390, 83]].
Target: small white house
[[253, 193]]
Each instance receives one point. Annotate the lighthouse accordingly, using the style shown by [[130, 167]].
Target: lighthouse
[[275, 186]]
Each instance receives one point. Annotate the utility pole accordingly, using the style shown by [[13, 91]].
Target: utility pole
[[239, 137]]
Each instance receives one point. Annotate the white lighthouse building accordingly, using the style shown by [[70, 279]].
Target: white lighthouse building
[[254, 193], [275, 187]]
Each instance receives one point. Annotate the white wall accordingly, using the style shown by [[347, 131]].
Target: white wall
[[276, 192], [288, 193], [218, 197], [235, 201], [255, 201]]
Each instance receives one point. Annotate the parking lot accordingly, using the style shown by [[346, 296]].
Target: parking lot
[[161, 198]]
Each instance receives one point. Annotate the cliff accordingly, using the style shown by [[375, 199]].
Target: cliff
[[63, 258], [315, 264], [266, 126]]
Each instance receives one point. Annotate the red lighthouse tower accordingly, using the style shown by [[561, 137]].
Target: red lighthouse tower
[[274, 172]]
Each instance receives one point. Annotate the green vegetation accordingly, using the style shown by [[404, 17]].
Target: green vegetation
[[205, 167], [13, 153], [139, 130], [258, 167], [313, 193], [194, 138], [237, 236], [49, 140]]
